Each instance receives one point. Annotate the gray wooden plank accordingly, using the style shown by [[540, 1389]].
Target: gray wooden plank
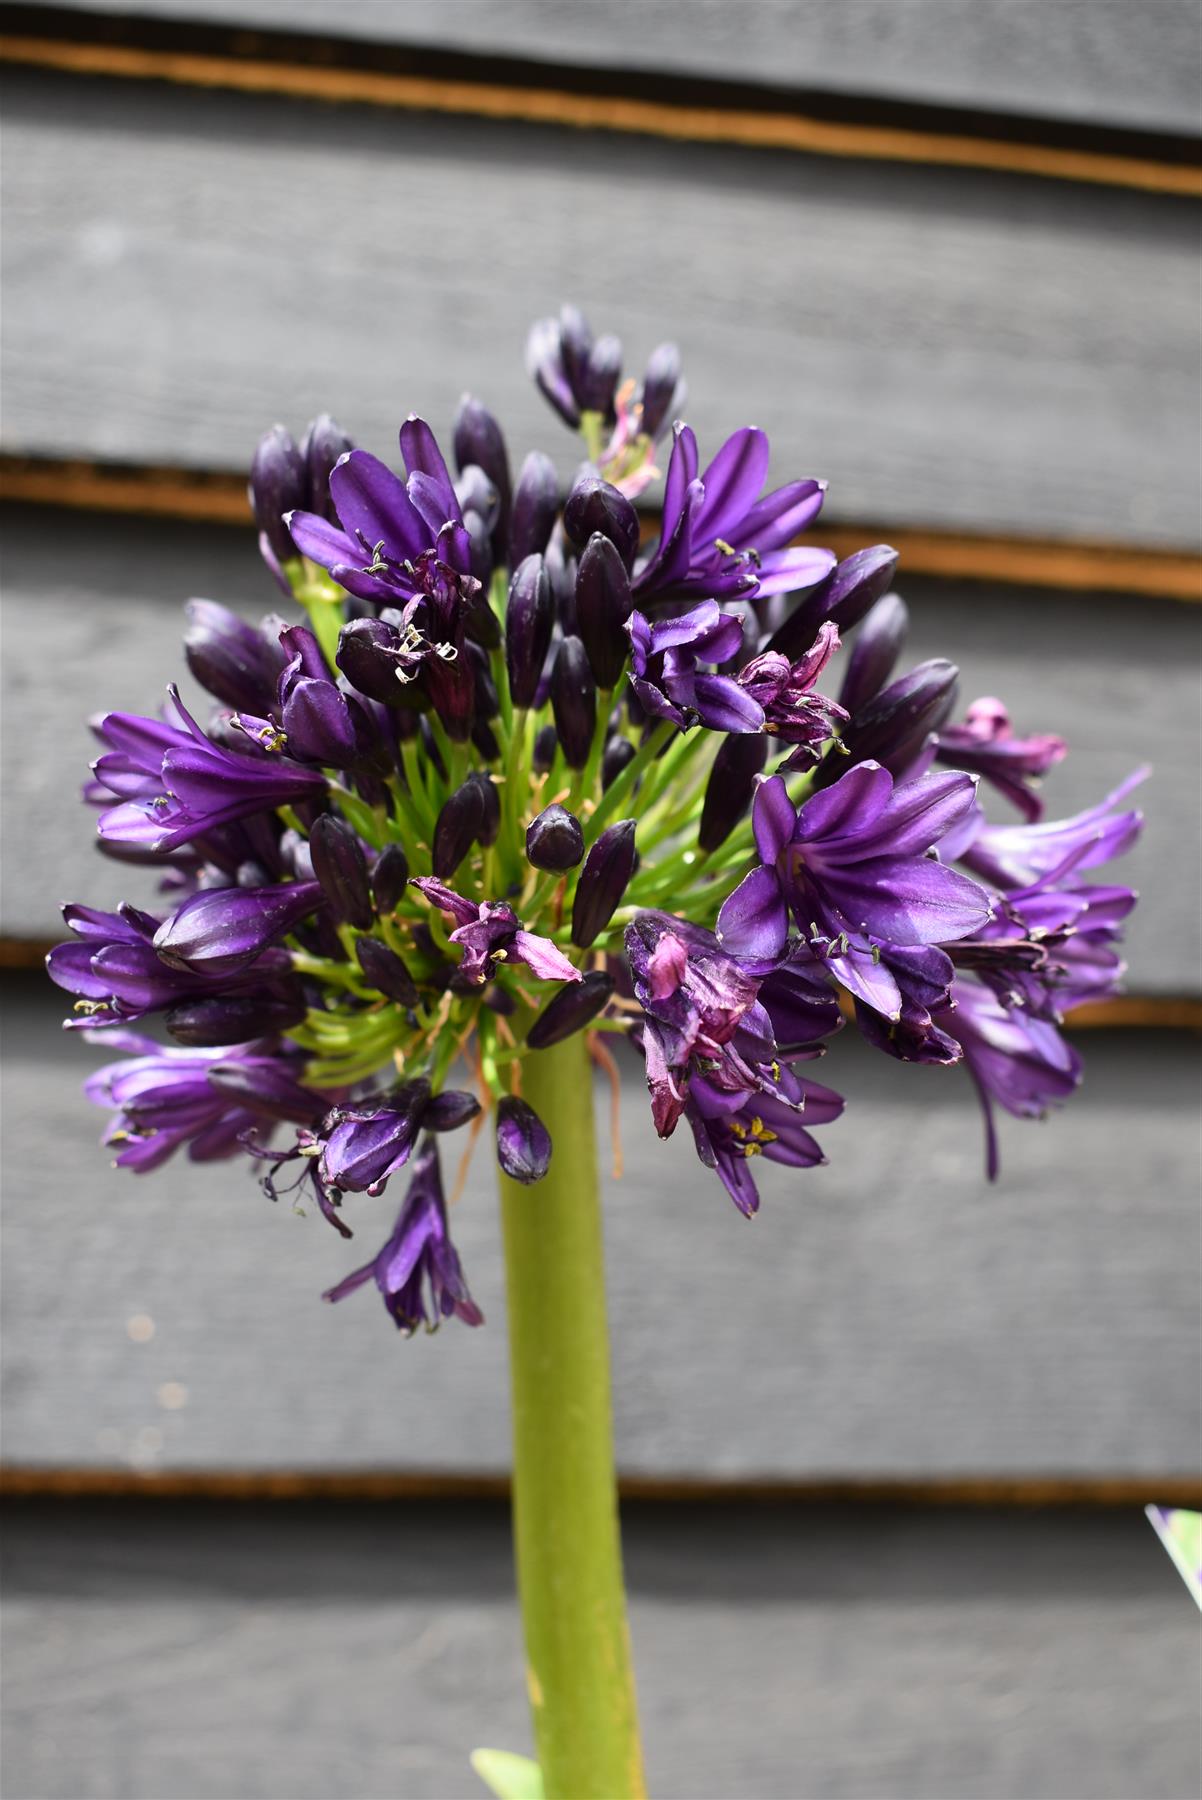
[[191, 1654], [92, 617], [1095, 60], [886, 1315], [948, 349]]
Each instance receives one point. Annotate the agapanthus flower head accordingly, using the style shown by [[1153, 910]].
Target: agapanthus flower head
[[508, 776]]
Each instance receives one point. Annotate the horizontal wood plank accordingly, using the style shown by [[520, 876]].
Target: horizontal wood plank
[[92, 611], [888, 1317], [959, 352], [239, 1655], [1085, 61]]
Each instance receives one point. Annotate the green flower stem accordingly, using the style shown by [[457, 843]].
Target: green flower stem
[[579, 1674]]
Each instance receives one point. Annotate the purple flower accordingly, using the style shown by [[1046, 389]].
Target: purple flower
[[117, 975], [853, 863], [418, 1271], [668, 682], [1017, 1061], [166, 1099], [719, 537], [385, 524], [712, 1054], [986, 745], [188, 786], [491, 932], [224, 929], [729, 1130], [362, 1145], [1021, 855]]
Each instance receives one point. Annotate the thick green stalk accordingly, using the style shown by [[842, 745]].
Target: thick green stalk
[[578, 1665]]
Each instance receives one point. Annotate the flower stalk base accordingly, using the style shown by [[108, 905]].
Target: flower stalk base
[[569, 1561]]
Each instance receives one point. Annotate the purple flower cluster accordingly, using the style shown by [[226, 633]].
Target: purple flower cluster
[[522, 773]]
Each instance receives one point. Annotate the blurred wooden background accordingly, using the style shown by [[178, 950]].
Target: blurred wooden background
[[946, 253]]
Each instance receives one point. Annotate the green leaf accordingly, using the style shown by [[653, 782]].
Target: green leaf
[[510, 1777]]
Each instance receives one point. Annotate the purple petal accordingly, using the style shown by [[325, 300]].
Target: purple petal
[[733, 481], [542, 958], [908, 900], [773, 818], [754, 920], [371, 500], [723, 705], [855, 802]]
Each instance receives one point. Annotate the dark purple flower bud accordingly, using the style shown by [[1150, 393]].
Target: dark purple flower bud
[[601, 376], [554, 840], [457, 828], [848, 592], [367, 1143], [490, 808], [574, 701], [341, 867], [221, 929], [476, 493], [877, 647], [575, 345], [237, 663], [236, 1018], [663, 390], [618, 752], [318, 725], [592, 506], [479, 439], [603, 605], [542, 755], [573, 1007], [449, 1110], [389, 876], [386, 971], [892, 727], [602, 882], [535, 504], [370, 654], [529, 620], [523, 1141], [731, 786], [278, 485], [323, 444], [480, 552], [266, 1089]]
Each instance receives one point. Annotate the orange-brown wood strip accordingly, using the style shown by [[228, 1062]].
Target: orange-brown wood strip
[[766, 130], [379, 1485], [219, 498]]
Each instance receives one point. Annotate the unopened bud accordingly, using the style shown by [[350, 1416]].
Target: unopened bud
[[389, 877], [554, 840], [386, 971], [603, 605], [523, 1141], [535, 504], [618, 752], [602, 882], [574, 701], [529, 618], [341, 867], [456, 829], [878, 644], [278, 485], [575, 1005], [594, 505], [731, 786], [236, 1018]]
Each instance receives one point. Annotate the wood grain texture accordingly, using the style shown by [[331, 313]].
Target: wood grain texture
[[1081, 60], [885, 1318], [966, 353], [238, 1655], [92, 617]]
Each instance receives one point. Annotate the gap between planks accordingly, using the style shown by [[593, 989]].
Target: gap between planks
[[29, 1482], [218, 497], [675, 119]]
